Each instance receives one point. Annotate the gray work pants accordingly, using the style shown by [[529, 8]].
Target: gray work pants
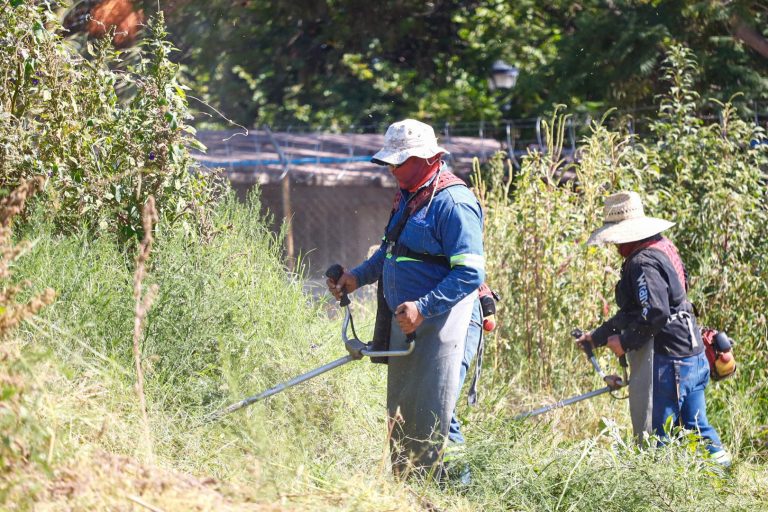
[[422, 389], [641, 390]]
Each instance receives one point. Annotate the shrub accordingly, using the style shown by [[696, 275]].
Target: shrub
[[103, 153]]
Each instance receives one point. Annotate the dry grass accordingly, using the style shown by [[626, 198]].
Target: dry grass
[[11, 313], [99, 481], [142, 305]]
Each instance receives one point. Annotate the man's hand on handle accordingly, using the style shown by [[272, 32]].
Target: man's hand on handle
[[408, 317], [614, 381], [614, 343], [347, 283], [586, 337]]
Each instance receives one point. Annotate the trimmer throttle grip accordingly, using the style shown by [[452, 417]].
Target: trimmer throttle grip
[[410, 338], [623, 361], [585, 345], [334, 273]]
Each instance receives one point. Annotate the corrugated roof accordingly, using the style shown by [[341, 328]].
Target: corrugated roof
[[261, 156]]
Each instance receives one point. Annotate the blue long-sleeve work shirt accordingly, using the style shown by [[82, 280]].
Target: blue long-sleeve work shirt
[[451, 226]]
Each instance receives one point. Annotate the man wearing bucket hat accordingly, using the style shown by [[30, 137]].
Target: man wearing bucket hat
[[655, 325], [429, 267]]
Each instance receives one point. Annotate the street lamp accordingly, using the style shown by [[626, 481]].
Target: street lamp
[[503, 76]]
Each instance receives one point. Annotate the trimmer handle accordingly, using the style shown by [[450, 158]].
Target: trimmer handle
[[334, 273], [623, 361], [585, 345]]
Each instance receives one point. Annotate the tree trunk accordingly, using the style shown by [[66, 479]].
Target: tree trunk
[[751, 37]]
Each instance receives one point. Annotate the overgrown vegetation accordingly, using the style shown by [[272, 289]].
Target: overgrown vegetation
[[103, 155], [227, 321], [700, 173], [22, 451]]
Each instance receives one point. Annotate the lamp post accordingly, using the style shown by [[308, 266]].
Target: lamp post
[[503, 76]]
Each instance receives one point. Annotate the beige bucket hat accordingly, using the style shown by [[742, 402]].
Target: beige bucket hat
[[625, 221], [405, 139]]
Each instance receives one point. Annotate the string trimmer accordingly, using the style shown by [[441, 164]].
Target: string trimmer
[[356, 348], [613, 382]]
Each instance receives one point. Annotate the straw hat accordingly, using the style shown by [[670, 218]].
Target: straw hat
[[405, 139], [625, 221]]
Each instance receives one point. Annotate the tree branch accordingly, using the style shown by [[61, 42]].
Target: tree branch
[[750, 36]]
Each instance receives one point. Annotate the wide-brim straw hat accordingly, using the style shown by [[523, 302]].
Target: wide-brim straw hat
[[625, 221], [405, 139]]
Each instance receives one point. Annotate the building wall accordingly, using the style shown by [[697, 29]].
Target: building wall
[[330, 224]]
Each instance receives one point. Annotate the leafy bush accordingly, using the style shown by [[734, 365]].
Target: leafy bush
[[102, 153], [535, 234]]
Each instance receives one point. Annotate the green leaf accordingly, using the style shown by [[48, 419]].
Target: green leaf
[[180, 91]]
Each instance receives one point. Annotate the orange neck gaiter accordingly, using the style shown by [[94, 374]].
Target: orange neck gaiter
[[415, 172]]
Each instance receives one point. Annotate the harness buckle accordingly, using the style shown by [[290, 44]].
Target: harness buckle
[[687, 317]]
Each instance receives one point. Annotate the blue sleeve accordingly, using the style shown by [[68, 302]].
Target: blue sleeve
[[369, 271], [460, 228]]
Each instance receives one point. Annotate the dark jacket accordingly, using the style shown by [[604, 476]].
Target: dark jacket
[[648, 294]]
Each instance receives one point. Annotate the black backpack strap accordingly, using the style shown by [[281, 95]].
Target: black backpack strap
[[401, 250]]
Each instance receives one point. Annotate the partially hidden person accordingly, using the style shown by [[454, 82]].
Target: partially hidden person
[[429, 267], [655, 326]]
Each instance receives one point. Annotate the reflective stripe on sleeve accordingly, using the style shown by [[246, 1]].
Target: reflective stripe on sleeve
[[468, 260]]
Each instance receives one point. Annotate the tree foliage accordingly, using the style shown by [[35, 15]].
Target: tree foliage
[[342, 62]]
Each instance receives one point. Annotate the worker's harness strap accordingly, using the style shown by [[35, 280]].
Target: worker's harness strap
[[403, 253], [686, 317]]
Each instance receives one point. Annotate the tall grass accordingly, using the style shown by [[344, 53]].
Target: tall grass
[[228, 322]]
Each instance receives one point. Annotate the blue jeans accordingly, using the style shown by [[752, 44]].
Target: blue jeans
[[678, 392], [474, 332]]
